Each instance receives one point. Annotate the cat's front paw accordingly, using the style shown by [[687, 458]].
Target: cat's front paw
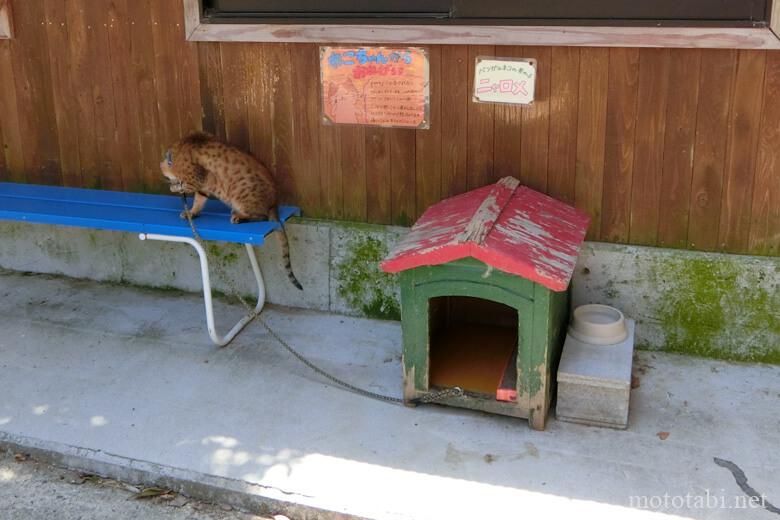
[[183, 215]]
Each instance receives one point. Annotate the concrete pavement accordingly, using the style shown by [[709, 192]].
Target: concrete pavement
[[124, 382]]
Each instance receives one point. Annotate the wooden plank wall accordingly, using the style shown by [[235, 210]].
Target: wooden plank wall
[[666, 147]]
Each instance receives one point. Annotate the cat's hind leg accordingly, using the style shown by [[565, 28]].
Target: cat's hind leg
[[238, 215], [238, 218]]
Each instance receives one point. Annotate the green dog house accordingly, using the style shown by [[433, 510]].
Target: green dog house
[[484, 297]]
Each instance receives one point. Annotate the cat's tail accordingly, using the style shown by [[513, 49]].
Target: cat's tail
[[284, 244]]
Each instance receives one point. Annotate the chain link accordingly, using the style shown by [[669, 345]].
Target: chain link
[[430, 397]]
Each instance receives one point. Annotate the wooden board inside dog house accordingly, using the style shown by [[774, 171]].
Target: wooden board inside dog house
[[472, 357], [472, 342]]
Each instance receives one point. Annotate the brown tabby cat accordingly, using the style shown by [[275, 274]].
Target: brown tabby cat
[[201, 165]]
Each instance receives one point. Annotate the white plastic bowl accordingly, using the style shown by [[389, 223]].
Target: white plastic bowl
[[598, 325]]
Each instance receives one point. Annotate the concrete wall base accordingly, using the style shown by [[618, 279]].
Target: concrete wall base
[[707, 304], [337, 264]]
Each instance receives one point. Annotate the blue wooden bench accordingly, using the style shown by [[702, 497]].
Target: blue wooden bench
[[154, 217]]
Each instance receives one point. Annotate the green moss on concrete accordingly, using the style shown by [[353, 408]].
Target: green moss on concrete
[[55, 249], [223, 253], [364, 286], [610, 291], [11, 230], [718, 308]]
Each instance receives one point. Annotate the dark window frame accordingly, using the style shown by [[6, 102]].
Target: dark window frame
[[647, 13], [703, 34]]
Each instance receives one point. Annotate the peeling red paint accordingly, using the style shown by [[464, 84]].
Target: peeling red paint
[[508, 226]]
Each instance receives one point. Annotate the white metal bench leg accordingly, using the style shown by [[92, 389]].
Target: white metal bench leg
[[204, 272]]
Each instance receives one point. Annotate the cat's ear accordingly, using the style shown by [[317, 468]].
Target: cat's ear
[[169, 157]]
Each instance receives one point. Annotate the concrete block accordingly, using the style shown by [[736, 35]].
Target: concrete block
[[158, 264], [594, 382], [74, 252], [123, 258]]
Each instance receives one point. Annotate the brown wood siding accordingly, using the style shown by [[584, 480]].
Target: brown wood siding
[[667, 147]]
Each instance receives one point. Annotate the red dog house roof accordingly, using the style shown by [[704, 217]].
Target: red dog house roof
[[510, 227]]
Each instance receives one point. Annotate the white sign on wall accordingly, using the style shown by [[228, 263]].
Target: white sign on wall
[[504, 80]]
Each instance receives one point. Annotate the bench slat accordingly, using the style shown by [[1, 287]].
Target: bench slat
[[101, 197], [133, 212]]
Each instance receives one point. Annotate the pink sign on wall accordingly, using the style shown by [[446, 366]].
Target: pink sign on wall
[[376, 86]]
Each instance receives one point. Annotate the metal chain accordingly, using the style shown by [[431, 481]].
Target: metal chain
[[430, 397]]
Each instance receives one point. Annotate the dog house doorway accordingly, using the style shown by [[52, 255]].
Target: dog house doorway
[[473, 344]]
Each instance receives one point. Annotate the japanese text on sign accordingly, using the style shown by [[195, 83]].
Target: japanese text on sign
[[376, 86], [501, 80]]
